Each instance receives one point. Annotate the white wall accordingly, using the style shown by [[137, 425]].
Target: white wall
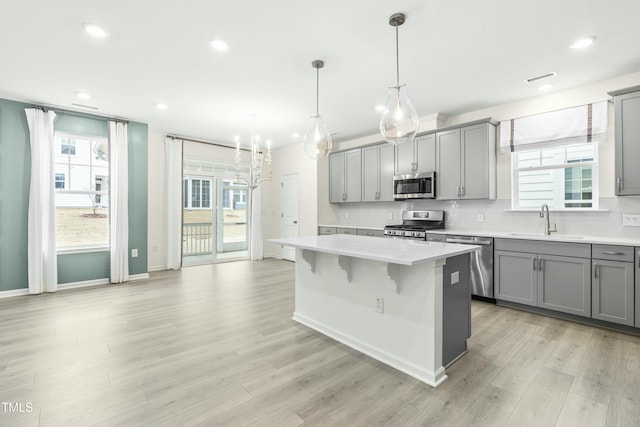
[[288, 160], [157, 200], [461, 214]]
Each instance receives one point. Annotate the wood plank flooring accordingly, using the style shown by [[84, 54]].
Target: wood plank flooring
[[215, 345]]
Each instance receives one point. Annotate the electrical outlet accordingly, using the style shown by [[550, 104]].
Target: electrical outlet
[[479, 217], [455, 277], [389, 215], [379, 305], [629, 220], [134, 253], [346, 215]]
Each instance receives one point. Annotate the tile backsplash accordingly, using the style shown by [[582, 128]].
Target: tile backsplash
[[497, 216]]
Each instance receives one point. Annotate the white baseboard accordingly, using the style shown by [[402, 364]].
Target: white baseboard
[[83, 284], [157, 268], [14, 293], [140, 276]]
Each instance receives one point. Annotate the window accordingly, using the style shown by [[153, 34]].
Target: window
[[563, 177], [59, 180], [82, 191], [197, 193], [67, 146]]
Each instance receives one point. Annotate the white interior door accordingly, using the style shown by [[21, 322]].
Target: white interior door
[[289, 217]]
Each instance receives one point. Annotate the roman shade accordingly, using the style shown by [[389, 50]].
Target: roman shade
[[575, 125]]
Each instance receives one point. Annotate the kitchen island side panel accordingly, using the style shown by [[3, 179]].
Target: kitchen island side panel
[[407, 335]]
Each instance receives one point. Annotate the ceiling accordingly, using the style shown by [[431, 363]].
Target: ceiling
[[455, 56]]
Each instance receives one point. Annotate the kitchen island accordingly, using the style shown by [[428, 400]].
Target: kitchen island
[[403, 302]]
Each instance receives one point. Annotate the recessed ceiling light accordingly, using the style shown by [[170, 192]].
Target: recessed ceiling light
[[545, 88], [161, 106], [95, 30], [83, 95], [219, 44], [379, 108], [583, 42], [295, 135]]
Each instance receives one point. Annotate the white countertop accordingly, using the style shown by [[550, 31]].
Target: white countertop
[[555, 237], [394, 251]]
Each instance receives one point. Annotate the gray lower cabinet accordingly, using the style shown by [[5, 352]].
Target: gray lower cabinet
[[515, 278], [370, 232], [345, 176], [347, 230], [377, 173], [627, 140], [544, 274], [324, 230], [613, 284], [637, 275], [564, 284]]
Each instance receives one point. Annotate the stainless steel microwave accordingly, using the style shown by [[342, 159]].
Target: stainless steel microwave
[[414, 186]]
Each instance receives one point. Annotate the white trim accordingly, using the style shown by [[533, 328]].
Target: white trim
[[560, 210], [83, 284], [82, 250], [140, 276], [157, 268], [14, 293]]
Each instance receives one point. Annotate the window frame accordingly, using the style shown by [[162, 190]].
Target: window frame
[[188, 184], [515, 182]]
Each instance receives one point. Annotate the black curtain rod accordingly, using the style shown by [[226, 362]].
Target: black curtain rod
[[204, 142], [78, 113]]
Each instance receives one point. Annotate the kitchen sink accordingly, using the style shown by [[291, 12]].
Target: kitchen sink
[[551, 237]]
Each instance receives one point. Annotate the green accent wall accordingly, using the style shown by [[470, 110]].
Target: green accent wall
[[80, 267], [15, 171], [137, 138]]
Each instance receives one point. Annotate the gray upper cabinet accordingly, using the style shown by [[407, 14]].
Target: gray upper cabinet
[[416, 156], [466, 162], [345, 176], [613, 284], [377, 173], [627, 141]]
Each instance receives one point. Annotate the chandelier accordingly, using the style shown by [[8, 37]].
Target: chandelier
[[260, 168]]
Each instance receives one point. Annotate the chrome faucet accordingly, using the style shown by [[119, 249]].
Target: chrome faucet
[[544, 209]]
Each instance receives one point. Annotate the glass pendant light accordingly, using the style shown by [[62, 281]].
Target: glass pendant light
[[317, 141], [399, 122]]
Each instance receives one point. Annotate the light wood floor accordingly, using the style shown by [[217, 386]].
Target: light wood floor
[[215, 345]]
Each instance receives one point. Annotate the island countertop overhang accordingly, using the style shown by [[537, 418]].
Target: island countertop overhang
[[388, 250]]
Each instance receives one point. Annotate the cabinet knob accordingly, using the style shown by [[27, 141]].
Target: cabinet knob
[[619, 184]]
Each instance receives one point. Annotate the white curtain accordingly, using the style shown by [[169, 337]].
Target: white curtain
[[582, 124], [119, 206], [42, 257], [256, 251], [173, 157]]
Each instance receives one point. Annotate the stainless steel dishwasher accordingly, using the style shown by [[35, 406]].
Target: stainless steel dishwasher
[[481, 265]]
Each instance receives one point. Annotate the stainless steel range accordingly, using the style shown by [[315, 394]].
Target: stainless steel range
[[415, 224]]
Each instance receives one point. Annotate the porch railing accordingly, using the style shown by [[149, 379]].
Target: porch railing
[[197, 239]]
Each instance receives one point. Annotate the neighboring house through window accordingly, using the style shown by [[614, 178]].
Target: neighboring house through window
[[562, 177], [197, 193], [59, 181]]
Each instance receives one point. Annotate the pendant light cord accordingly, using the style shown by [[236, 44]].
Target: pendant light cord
[[317, 91], [397, 59]]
